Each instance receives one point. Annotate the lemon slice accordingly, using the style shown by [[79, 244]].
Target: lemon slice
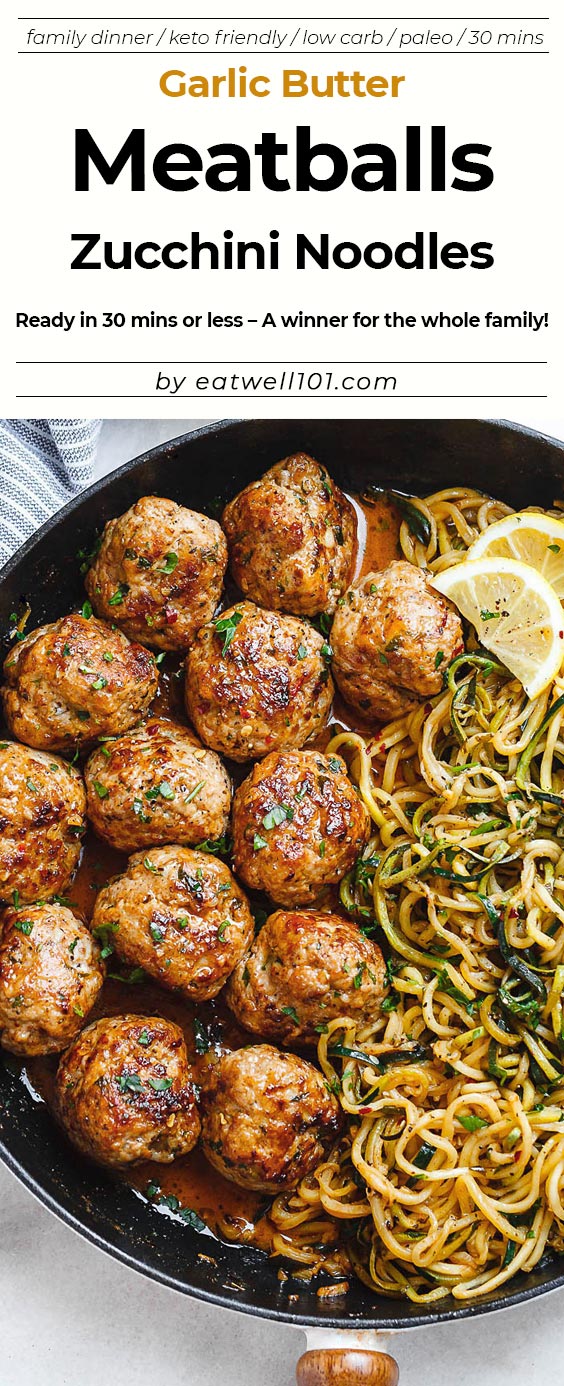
[[515, 612], [531, 538]]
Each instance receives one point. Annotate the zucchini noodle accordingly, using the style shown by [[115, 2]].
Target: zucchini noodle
[[450, 1177]]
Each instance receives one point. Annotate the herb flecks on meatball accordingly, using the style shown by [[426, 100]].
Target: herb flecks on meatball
[[178, 914], [292, 538], [159, 572], [155, 785], [124, 1091], [393, 636], [50, 977], [42, 821], [268, 1118], [305, 969], [298, 826], [75, 680], [258, 681]]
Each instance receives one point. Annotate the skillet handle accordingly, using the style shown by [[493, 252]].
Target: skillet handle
[[346, 1367]]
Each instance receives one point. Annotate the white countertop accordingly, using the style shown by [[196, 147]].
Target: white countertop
[[71, 1316]]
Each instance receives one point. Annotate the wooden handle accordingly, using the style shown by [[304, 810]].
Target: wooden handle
[[346, 1367]]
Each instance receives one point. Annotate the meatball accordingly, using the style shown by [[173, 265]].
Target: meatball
[[292, 538], [124, 1091], [298, 826], [42, 804], [303, 970], [180, 915], [50, 976], [154, 785], [75, 680], [159, 572], [267, 1118], [257, 682], [392, 638]]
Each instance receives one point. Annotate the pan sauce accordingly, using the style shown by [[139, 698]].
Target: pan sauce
[[231, 1213]]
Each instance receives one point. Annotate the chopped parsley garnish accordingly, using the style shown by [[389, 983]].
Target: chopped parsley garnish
[[276, 816], [86, 612], [157, 934], [170, 563], [103, 933], [100, 682], [201, 1038], [439, 657], [101, 790], [222, 928], [321, 848], [472, 1123], [108, 657], [24, 926], [554, 548], [160, 1084], [117, 597], [227, 626], [195, 791], [292, 1012], [143, 1038], [335, 764], [130, 1082], [164, 789], [302, 651], [490, 615], [150, 866], [259, 842]]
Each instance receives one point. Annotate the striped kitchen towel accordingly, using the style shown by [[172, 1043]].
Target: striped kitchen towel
[[43, 463]]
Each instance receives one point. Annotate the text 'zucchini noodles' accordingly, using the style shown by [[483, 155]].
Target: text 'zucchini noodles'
[[450, 1177]]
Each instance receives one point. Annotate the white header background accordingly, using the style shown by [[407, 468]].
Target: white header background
[[506, 100]]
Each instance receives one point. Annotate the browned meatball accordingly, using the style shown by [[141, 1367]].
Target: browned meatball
[[257, 681], [179, 915], [298, 826], [154, 785], [76, 680], [303, 970], [124, 1091], [267, 1118], [159, 572], [392, 638], [42, 804], [292, 538], [50, 976]]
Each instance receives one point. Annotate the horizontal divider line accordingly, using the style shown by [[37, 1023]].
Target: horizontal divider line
[[280, 53], [173, 361], [216, 394]]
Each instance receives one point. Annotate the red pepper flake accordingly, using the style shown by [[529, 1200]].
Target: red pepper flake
[[382, 749], [428, 708], [364, 1111], [561, 634], [171, 616]]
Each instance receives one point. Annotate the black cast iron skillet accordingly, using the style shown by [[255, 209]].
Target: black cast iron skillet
[[416, 456]]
